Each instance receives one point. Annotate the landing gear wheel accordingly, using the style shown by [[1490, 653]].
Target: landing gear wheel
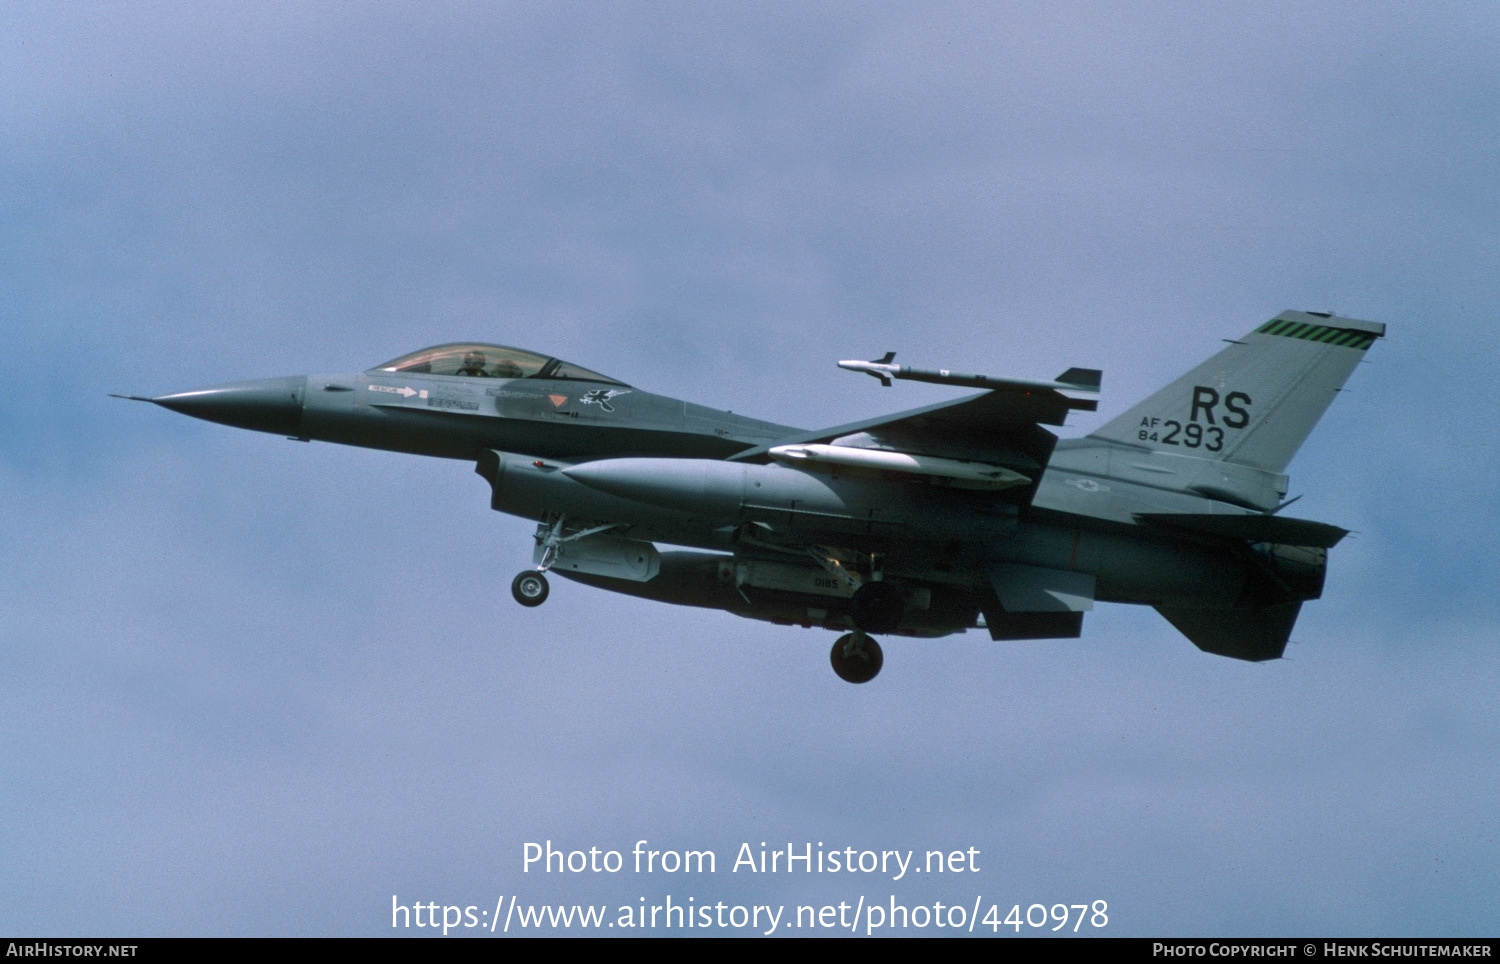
[[530, 588], [856, 659], [877, 607]]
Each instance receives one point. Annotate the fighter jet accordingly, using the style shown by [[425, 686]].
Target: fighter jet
[[960, 515]]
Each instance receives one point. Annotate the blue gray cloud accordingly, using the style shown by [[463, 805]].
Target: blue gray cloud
[[252, 687]]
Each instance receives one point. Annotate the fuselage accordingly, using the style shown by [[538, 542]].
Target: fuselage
[[924, 522], [666, 479]]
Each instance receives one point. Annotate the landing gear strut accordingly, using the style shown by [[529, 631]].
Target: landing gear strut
[[530, 588], [856, 657]]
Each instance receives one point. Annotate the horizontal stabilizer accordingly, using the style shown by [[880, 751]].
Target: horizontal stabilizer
[[1252, 633], [1255, 528]]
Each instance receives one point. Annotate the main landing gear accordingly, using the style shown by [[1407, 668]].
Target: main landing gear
[[876, 607], [856, 657]]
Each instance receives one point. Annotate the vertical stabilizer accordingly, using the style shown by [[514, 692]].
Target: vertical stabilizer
[[1255, 402]]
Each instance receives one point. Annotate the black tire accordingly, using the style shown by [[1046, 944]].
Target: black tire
[[877, 607], [856, 664], [530, 588]]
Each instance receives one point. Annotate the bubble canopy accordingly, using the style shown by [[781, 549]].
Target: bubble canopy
[[476, 360]]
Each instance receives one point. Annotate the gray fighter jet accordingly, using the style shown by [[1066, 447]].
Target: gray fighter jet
[[936, 520]]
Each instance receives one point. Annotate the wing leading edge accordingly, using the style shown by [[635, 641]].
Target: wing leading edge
[[1002, 427]]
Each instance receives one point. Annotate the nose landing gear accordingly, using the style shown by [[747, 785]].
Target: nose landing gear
[[529, 588]]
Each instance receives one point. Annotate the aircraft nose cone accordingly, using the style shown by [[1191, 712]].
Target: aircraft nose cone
[[268, 405]]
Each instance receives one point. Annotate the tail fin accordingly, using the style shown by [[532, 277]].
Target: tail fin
[[1256, 401]]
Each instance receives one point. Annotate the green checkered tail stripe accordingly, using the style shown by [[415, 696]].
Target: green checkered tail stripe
[[1325, 334]]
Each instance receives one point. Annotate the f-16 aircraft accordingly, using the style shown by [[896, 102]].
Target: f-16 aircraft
[[935, 520]]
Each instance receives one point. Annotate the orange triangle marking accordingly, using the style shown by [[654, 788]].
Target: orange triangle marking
[[557, 400]]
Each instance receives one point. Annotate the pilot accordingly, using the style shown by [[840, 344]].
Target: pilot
[[473, 365]]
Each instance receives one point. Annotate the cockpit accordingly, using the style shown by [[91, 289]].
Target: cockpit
[[474, 360]]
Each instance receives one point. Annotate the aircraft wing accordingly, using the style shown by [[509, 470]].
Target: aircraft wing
[[1001, 427]]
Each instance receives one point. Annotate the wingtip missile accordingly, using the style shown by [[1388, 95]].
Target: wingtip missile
[[1080, 386], [880, 368], [1082, 379]]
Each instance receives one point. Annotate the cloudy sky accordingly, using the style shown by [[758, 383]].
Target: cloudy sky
[[250, 686]]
